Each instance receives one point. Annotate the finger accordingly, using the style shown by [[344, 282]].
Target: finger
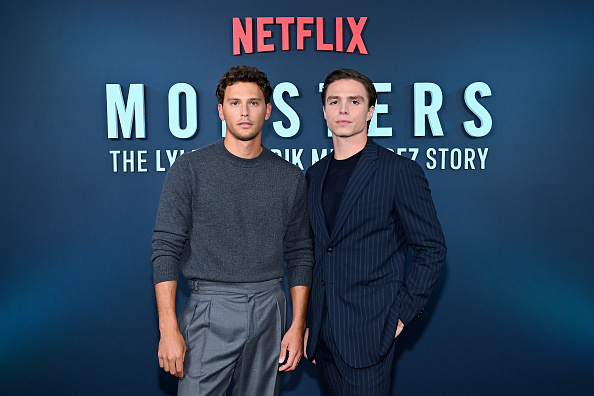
[[295, 364], [297, 360], [284, 367], [305, 338], [290, 363], [179, 365], [283, 355], [172, 368]]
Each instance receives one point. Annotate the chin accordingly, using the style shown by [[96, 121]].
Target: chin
[[245, 138], [344, 134]]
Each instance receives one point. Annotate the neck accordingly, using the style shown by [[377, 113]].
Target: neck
[[247, 149], [347, 147]]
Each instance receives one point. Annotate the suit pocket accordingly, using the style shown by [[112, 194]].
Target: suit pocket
[[197, 309]]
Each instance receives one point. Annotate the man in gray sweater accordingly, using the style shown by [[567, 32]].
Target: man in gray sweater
[[230, 215]]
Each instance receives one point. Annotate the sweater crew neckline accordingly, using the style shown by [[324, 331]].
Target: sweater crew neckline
[[238, 161]]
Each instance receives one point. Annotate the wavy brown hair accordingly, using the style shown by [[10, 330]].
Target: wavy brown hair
[[244, 74]]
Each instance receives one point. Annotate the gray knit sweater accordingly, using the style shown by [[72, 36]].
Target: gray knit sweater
[[229, 219]]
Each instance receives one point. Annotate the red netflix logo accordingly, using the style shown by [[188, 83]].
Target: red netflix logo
[[243, 34]]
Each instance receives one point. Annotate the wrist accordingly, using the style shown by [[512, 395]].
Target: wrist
[[168, 326], [299, 324]]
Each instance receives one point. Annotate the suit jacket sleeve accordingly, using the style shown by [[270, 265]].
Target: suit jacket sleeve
[[422, 232]]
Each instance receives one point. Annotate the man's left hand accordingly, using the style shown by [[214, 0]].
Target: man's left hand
[[292, 344], [399, 328]]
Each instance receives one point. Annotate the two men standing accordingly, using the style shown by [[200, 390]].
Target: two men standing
[[231, 212]]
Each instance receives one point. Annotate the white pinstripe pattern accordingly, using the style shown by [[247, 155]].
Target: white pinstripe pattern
[[386, 208]]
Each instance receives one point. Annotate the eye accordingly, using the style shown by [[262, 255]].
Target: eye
[[333, 102], [254, 103], [355, 102]]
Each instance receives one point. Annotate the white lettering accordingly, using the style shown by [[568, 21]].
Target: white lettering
[[191, 111], [114, 155], [286, 110], [474, 106], [483, 156], [380, 108], [125, 113], [457, 158], [430, 153], [422, 110], [141, 160], [158, 161]]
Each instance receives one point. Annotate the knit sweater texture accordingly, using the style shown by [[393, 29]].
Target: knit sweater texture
[[230, 219]]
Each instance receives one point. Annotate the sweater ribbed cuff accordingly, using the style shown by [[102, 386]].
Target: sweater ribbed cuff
[[164, 269], [300, 275]]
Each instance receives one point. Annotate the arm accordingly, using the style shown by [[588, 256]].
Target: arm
[[292, 342], [299, 258], [172, 347], [422, 231], [174, 221], [169, 237]]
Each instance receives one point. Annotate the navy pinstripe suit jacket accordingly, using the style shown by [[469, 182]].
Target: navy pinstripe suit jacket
[[360, 269]]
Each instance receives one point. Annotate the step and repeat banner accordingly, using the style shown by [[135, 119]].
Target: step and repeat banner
[[490, 98]]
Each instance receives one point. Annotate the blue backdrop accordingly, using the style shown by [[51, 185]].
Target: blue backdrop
[[514, 310]]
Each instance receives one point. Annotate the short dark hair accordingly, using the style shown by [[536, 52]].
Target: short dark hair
[[244, 74], [350, 74]]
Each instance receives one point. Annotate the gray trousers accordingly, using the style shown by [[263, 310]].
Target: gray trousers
[[232, 330]]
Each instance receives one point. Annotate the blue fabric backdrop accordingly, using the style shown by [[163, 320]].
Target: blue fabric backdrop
[[514, 310]]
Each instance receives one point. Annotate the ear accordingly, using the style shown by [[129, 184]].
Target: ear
[[268, 110], [324, 110], [370, 113], [221, 115]]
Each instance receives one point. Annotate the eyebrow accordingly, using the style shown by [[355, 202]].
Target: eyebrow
[[348, 97], [259, 99]]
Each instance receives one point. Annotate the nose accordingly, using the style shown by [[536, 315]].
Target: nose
[[343, 108], [244, 110]]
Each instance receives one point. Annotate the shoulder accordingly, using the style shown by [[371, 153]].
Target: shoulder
[[319, 166], [389, 160], [206, 152], [282, 165], [204, 159]]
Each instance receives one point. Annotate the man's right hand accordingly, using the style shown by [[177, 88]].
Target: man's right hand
[[172, 351], [172, 347]]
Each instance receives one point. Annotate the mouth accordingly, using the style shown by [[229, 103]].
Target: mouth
[[245, 124], [343, 122]]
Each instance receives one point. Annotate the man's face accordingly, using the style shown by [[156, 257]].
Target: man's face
[[346, 108], [244, 110]]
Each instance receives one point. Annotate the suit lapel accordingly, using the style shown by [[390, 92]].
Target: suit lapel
[[360, 178], [317, 186]]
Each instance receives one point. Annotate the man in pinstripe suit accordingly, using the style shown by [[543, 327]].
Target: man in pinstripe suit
[[367, 206]]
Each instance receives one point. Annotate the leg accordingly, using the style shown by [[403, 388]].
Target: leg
[[215, 329], [257, 370], [373, 380], [338, 378], [329, 372]]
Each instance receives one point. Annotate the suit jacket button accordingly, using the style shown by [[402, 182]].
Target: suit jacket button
[[329, 250], [323, 283]]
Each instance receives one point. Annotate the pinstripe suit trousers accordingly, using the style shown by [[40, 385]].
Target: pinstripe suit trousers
[[339, 379]]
